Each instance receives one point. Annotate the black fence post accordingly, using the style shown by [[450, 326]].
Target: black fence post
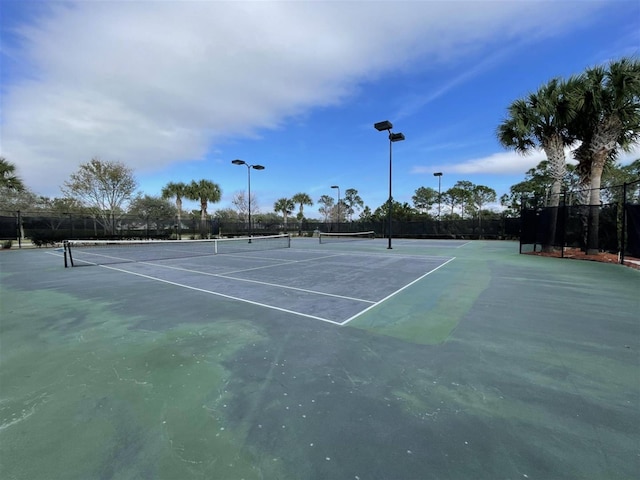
[[623, 235], [19, 229]]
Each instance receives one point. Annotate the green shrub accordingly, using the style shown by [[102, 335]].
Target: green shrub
[[6, 244]]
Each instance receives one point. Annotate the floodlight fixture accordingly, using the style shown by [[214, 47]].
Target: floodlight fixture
[[249, 167], [380, 126], [396, 137]]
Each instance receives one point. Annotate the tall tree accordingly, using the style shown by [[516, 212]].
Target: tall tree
[[463, 190], [326, 202], [608, 100], [301, 199], [104, 187], [540, 122], [8, 178], [177, 190], [206, 192], [451, 198], [399, 211], [481, 195], [352, 202], [241, 202], [284, 206], [366, 215], [424, 198], [156, 211]]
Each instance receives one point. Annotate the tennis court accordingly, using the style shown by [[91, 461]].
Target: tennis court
[[344, 360], [321, 284]]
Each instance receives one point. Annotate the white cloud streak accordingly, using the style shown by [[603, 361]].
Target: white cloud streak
[[152, 83], [509, 163]]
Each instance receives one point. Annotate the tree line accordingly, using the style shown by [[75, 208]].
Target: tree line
[[108, 190]]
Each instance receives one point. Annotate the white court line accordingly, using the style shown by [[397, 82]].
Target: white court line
[[226, 275], [210, 292], [395, 293]]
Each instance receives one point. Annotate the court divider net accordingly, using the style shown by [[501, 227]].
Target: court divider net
[[345, 236], [106, 252]]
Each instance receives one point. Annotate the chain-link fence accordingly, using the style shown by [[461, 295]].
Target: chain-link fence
[[46, 228], [43, 228], [613, 226]]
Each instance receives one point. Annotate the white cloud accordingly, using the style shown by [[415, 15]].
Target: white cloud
[[509, 163], [154, 83]]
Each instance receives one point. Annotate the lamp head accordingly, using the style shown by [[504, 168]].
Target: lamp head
[[396, 137], [437, 174], [257, 167], [238, 162], [335, 186], [380, 126]]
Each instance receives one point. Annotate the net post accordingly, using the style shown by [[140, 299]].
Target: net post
[[67, 250], [64, 248]]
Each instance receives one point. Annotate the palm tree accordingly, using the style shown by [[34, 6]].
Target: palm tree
[[205, 191], [301, 199], [284, 206], [608, 100], [176, 190], [8, 179], [540, 122]]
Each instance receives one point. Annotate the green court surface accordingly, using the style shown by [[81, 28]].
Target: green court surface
[[433, 360]]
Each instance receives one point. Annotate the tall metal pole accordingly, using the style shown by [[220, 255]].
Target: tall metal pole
[[390, 197], [439, 197], [249, 181], [338, 204], [439, 175], [393, 137]]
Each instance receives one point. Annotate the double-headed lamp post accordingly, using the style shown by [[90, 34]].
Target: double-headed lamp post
[[393, 137], [338, 204], [439, 175], [249, 167]]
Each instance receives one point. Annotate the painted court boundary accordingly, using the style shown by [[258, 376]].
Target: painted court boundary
[[272, 307]]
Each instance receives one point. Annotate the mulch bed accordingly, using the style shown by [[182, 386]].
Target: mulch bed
[[604, 257]]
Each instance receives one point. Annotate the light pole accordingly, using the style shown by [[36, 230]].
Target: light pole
[[439, 175], [338, 204], [249, 167], [393, 137]]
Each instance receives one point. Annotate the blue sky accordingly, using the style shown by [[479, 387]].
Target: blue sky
[[178, 89]]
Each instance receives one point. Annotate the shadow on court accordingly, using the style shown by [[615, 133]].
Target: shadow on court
[[491, 365]]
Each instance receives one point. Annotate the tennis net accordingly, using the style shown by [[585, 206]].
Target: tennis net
[[345, 236], [106, 252]]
